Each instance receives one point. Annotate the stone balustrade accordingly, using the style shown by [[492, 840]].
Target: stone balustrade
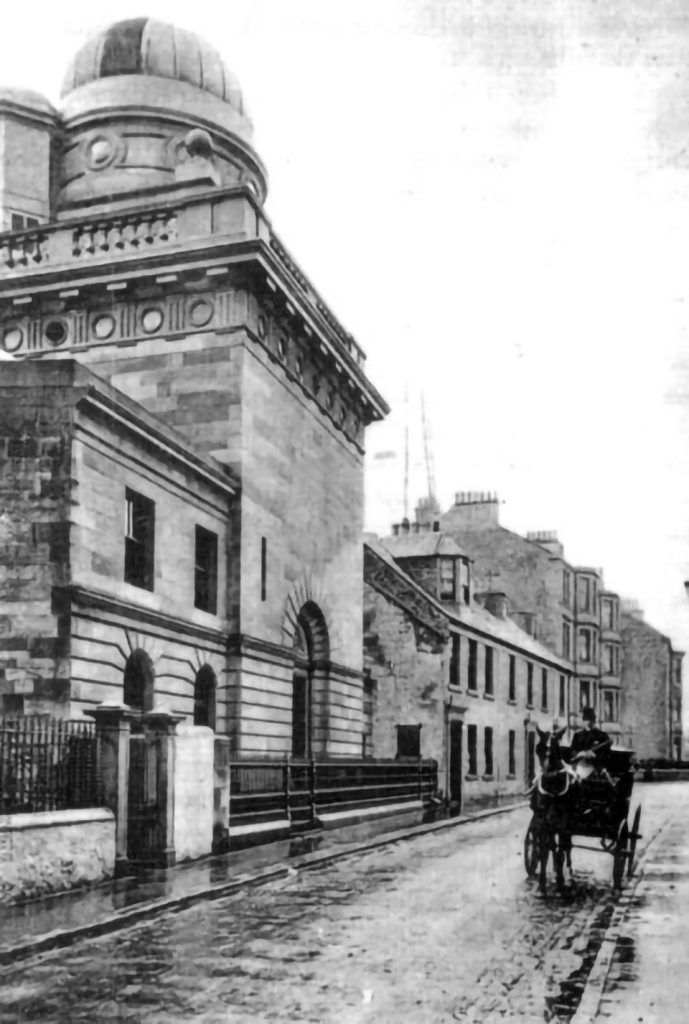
[[227, 216], [23, 249], [135, 232]]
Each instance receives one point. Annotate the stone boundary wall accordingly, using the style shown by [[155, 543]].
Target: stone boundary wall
[[52, 851]]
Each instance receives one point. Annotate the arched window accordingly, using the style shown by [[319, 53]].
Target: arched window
[[139, 681], [204, 697]]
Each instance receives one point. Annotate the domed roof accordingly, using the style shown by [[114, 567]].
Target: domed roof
[[144, 46]]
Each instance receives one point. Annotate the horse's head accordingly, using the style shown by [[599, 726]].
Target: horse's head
[[548, 749]]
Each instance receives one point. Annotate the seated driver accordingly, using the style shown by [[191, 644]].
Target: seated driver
[[589, 747]]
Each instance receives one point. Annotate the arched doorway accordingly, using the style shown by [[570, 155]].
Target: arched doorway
[[139, 681], [311, 652], [204, 697]]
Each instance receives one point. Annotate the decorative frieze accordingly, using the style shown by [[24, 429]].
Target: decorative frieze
[[130, 321]]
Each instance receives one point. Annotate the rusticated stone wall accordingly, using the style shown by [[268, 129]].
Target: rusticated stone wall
[[53, 851], [36, 416]]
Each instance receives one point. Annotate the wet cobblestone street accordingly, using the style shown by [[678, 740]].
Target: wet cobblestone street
[[444, 927]]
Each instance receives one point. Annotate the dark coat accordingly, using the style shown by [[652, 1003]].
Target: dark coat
[[587, 739]]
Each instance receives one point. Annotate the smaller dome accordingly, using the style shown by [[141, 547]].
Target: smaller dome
[[144, 46]]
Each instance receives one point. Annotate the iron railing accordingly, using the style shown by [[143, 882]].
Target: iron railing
[[299, 791], [47, 764]]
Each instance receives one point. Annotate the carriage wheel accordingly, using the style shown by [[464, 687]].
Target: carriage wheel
[[633, 836], [531, 849], [620, 855]]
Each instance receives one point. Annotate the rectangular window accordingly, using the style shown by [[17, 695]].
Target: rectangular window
[[529, 685], [488, 671], [584, 645], [544, 689], [566, 640], [583, 593], [512, 682], [607, 613], [566, 587], [22, 222], [562, 703], [488, 749], [206, 571], [139, 540], [584, 694], [511, 758], [472, 664], [608, 706], [264, 566], [611, 659], [455, 665], [472, 734], [464, 580], [408, 741], [448, 583]]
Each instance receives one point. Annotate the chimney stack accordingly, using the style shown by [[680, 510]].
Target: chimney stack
[[473, 510], [547, 539]]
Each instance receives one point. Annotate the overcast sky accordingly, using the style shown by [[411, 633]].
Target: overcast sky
[[494, 198]]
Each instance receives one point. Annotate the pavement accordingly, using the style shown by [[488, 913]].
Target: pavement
[[39, 925], [647, 979], [437, 926]]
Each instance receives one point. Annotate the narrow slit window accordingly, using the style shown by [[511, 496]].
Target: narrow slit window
[[206, 571], [488, 749], [472, 731]]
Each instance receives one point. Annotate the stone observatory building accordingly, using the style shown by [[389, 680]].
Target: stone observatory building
[[182, 424]]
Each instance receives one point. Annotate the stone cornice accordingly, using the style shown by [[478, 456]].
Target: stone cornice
[[74, 595], [120, 412], [266, 650]]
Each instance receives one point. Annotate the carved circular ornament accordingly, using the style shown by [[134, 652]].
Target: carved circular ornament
[[200, 312], [55, 331], [103, 326], [262, 327], [152, 320], [102, 150], [282, 345], [12, 338]]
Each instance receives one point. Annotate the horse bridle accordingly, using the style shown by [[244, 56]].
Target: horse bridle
[[568, 783]]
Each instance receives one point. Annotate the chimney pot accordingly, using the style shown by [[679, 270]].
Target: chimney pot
[[436, 526], [395, 529]]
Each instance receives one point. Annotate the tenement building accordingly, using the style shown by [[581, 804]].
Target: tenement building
[[448, 674], [183, 423], [569, 610], [651, 687]]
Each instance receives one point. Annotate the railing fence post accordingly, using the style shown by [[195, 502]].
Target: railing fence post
[[312, 788], [287, 787]]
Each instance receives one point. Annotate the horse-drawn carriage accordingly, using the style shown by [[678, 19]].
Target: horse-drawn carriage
[[596, 807]]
